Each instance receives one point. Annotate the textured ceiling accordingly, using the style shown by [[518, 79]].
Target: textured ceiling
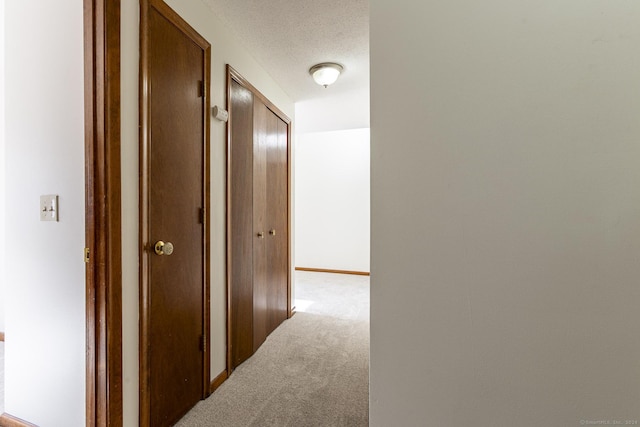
[[287, 37]]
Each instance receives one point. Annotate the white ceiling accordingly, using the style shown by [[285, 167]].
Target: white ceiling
[[287, 37]]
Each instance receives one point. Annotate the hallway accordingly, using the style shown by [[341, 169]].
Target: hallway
[[313, 370]]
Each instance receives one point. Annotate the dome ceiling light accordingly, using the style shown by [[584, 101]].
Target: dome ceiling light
[[326, 73]]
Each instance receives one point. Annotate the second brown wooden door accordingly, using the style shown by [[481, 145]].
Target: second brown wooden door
[[258, 222], [277, 222], [269, 222]]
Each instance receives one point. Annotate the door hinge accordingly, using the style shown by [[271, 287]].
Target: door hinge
[[203, 342], [202, 212], [200, 88], [86, 255]]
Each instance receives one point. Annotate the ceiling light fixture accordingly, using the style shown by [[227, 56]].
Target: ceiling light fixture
[[326, 73]]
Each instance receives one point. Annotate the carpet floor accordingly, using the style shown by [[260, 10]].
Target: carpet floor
[[311, 371]]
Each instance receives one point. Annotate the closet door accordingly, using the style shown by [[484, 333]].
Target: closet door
[[257, 219], [277, 220], [270, 220], [261, 285], [240, 217]]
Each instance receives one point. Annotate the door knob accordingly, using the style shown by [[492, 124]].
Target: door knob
[[272, 232], [261, 235], [163, 248]]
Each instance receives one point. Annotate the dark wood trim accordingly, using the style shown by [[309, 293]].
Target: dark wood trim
[[217, 381], [324, 270], [206, 310], [232, 74], [7, 420], [144, 208], [2, 336], [290, 308], [103, 213], [228, 242], [144, 406]]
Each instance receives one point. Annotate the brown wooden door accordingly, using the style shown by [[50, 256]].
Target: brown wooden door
[[257, 219], [270, 214], [261, 285], [277, 219], [240, 216], [175, 284]]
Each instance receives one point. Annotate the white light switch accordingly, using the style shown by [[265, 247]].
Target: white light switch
[[49, 208]]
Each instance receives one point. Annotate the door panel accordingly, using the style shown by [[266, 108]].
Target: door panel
[[241, 223], [260, 268], [279, 218], [277, 214], [176, 176]]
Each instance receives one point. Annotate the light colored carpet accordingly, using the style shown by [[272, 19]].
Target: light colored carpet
[[312, 371], [345, 296]]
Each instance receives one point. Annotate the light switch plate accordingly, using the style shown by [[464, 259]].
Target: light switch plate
[[49, 208]]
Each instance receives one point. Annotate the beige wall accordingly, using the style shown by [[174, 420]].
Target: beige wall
[[225, 48], [505, 212]]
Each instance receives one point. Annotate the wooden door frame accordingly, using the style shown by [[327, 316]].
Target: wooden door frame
[[233, 75], [145, 252], [103, 213]]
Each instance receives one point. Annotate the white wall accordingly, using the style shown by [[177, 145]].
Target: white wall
[[342, 111], [332, 200], [226, 48], [45, 286], [2, 173], [505, 212]]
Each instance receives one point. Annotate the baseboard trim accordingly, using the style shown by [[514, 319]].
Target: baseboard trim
[[217, 381], [2, 336], [7, 420], [324, 270]]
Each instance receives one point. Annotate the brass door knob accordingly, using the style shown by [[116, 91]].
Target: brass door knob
[[272, 232], [163, 248], [261, 235]]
